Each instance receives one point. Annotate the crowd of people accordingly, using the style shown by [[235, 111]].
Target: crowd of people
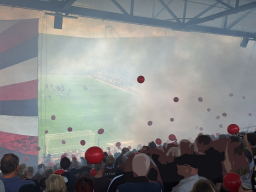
[[198, 166]]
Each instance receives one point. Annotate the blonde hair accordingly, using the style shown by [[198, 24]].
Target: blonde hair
[[205, 186], [243, 170], [55, 183]]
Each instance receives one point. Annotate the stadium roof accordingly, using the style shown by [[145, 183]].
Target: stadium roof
[[224, 17]]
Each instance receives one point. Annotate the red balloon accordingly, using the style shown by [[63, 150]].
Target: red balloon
[[231, 95], [65, 154], [232, 182], [70, 129], [232, 129], [141, 79], [208, 109], [250, 114], [100, 131], [46, 132], [82, 142], [176, 99], [224, 114], [26, 158], [220, 126], [200, 99], [118, 144], [53, 117], [243, 97], [171, 119], [63, 142], [73, 155], [59, 171], [129, 147], [158, 141], [150, 123], [137, 153], [217, 117], [94, 155], [172, 137], [38, 148], [201, 128]]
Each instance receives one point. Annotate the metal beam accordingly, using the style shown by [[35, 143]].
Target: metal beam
[[119, 7], [223, 13], [97, 14], [163, 9], [169, 11], [225, 19], [239, 19], [237, 3], [185, 10], [69, 3], [132, 7], [226, 4], [203, 12]]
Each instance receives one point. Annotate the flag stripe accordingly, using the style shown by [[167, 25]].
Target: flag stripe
[[20, 143], [19, 91], [19, 125], [19, 53], [18, 33], [22, 72], [19, 107], [5, 24], [33, 159]]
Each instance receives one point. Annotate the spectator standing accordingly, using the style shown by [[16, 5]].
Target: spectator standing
[[124, 150], [188, 168], [55, 183], [10, 169], [84, 184], [65, 164], [100, 183], [22, 171], [110, 170], [30, 172]]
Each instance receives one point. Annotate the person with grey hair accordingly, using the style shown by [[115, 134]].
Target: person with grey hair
[[22, 171], [100, 183], [119, 180]]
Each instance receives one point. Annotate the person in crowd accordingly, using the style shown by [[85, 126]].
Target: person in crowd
[[188, 168], [152, 145], [110, 170], [55, 183], [65, 164], [105, 156], [10, 168], [144, 148], [100, 183], [186, 147], [120, 167], [205, 186], [86, 168], [22, 171], [48, 172], [120, 179], [124, 150], [206, 153], [84, 184], [43, 184], [29, 188], [30, 172]]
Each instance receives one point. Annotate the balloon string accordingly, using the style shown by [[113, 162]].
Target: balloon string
[[243, 82]]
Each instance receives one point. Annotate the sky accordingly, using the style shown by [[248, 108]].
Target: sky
[[200, 65]]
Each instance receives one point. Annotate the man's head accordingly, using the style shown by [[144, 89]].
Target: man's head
[[110, 160], [75, 162], [185, 147], [22, 171], [100, 167], [187, 165], [10, 165], [30, 172], [124, 150], [202, 143], [65, 163], [141, 164], [152, 145], [41, 168], [126, 157]]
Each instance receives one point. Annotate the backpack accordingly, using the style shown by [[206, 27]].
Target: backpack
[[2, 188]]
